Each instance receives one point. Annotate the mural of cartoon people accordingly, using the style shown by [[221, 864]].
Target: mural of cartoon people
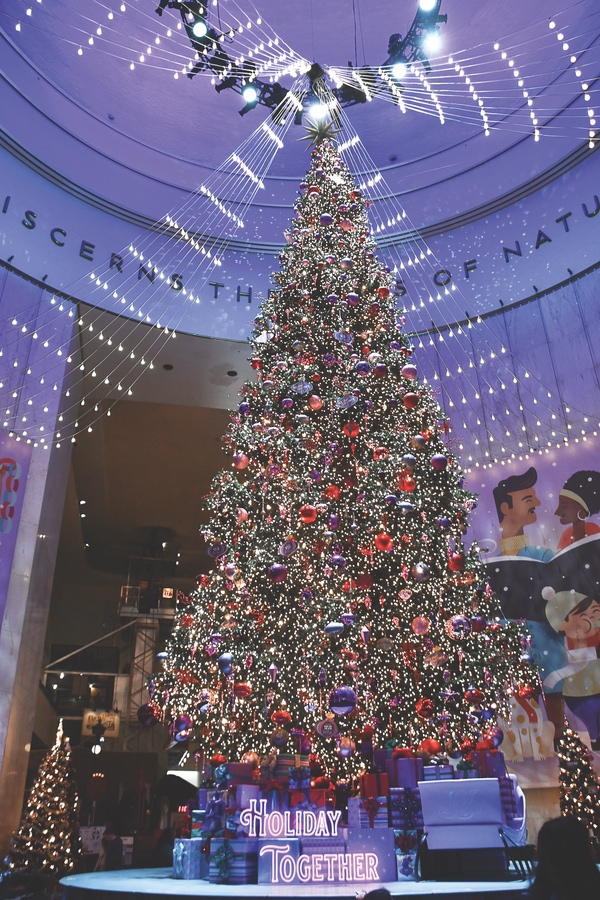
[[577, 617], [578, 500], [516, 503]]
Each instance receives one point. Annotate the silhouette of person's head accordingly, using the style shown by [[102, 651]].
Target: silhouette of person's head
[[566, 868], [378, 894]]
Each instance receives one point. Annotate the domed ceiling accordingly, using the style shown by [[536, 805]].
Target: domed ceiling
[[123, 66]]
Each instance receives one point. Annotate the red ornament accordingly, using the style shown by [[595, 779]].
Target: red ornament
[[240, 460], [410, 400], [467, 745], [202, 580], [383, 293], [315, 402], [380, 453], [384, 542], [351, 429], [256, 362], [307, 514], [424, 708], [456, 563], [187, 620], [485, 744], [431, 746], [364, 582], [406, 482], [474, 696], [332, 492], [526, 691], [242, 689], [281, 717]]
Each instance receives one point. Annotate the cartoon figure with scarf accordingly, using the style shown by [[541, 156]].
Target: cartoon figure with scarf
[[577, 617]]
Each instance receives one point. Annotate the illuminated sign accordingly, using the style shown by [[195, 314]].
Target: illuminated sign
[[290, 823], [334, 867]]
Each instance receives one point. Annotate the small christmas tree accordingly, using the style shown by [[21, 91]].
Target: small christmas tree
[[579, 786], [48, 840], [344, 607]]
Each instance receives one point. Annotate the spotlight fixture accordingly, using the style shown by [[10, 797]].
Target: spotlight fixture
[[250, 94], [422, 37], [399, 71], [199, 28]]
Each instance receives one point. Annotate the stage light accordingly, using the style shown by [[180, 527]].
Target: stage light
[[199, 28], [427, 5], [250, 94], [399, 71], [96, 749], [432, 42], [318, 111]]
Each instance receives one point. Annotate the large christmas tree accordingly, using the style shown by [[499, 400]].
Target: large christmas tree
[[343, 602], [48, 840]]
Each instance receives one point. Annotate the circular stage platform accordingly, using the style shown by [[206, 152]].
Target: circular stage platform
[[156, 884]]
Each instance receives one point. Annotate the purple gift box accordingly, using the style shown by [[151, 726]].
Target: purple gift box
[[405, 808], [489, 762], [438, 773], [403, 772]]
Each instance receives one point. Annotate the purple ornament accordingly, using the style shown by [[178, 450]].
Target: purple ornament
[[148, 715], [409, 461], [443, 522], [334, 521], [322, 677], [338, 562], [226, 663], [352, 299], [182, 723], [420, 571], [332, 629], [326, 219], [347, 618], [342, 700], [406, 508], [390, 500], [216, 550], [315, 475], [362, 367], [277, 573], [288, 547], [273, 670], [439, 462], [244, 409], [347, 263], [287, 403], [418, 442], [409, 371], [332, 298], [380, 370], [365, 634]]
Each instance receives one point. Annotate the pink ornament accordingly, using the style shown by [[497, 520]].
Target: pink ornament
[[240, 460], [315, 402]]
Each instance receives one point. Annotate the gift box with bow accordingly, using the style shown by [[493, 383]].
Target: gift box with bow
[[374, 784], [407, 842], [187, 858], [404, 772], [214, 818], [233, 861], [489, 762], [373, 812]]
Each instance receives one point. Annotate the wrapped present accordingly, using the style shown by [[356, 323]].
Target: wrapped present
[[187, 858], [404, 772], [299, 778], [285, 762], [405, 809], [381, 842], [373, 812], [240, 773], [322, 798], [511, 807], [373, 784], [202, 798], [198, 816], [489, 762], [438, 773], [466, 773], [407, 843], [233, 861], [379, 759], [244, 793], [342, 795]]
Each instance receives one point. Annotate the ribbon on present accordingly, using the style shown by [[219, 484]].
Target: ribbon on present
[[233, 826], [371, 806], [465, 765], [405, 807], [402, 752], [406, 841], [215, 813]]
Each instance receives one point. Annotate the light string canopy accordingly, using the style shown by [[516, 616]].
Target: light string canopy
[[113, 355], [484, 385]]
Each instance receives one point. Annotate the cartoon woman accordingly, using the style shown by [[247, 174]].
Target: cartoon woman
[[578, 500], [577, 617]]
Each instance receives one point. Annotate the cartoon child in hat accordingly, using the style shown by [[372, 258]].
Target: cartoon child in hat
[[578, 618], [578, 500]]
